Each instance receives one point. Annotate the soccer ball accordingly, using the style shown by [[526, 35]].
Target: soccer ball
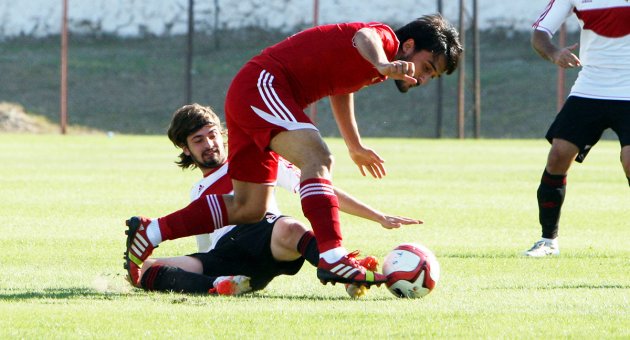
[[412, 270]]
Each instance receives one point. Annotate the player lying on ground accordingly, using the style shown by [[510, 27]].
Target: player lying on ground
[[243, 260], [265, 119], [276, 245]]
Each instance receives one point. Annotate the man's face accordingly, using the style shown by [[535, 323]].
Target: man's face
[[427, 66], [205, 147]]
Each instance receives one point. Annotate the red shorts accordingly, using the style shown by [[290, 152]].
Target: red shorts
[[258, 106]]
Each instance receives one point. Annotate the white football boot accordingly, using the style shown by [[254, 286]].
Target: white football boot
[[544, 247]]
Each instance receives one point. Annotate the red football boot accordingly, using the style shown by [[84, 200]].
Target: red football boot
[[139, 248], [356, 291], [231, 285], [348, 270]]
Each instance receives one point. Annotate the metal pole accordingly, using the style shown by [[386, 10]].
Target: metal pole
[[63, 112], [217, 10], [189, 50], [562, 41], [462, 74], [476, 71], [313, 106], [440, 94]]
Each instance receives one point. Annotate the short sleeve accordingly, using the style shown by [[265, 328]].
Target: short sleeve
[[554, 15]]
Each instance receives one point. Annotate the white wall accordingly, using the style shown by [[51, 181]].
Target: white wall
[[163, 17]]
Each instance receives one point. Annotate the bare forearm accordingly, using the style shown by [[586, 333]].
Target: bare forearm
[[343, 110], [353, 206], [561, 56], [542, 44]]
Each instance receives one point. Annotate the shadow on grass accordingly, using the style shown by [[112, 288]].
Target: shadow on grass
[[177, 298], [61, 294], [564, 286], [518, 255], [257, 296]]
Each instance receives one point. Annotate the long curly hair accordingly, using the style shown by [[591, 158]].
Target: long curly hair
[[186, 121]]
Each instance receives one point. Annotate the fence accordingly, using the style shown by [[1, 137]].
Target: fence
[[132, 84]]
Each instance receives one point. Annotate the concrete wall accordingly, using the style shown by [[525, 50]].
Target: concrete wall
[[166, 17]]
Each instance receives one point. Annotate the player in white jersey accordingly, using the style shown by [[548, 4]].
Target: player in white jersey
[[599, 99], [238, 258]]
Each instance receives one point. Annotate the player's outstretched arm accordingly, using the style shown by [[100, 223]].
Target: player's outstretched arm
[[354, 206], [365, 158], [563, 57]]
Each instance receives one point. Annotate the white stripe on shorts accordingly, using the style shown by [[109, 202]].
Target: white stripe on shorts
[[278, 113]]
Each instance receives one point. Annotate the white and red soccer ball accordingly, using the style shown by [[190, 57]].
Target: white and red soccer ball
[[412, 270]]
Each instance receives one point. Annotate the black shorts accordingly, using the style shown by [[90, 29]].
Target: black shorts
[[582, 121], [246, 250]]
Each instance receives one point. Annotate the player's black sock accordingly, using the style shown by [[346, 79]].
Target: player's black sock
[[308, 248], [628, 180], [550, 197], [166, 278]]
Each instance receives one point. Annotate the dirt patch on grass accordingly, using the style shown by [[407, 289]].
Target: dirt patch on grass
[[15, 119]]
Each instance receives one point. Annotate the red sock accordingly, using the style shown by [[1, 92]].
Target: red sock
[[320, 206], [307, 246], [201, 216]]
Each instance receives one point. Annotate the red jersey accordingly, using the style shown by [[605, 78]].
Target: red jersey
[[323, 61]]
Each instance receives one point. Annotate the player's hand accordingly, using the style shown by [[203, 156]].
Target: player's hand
[[368, 159], [391, 222], [565, 57], [399, 69]]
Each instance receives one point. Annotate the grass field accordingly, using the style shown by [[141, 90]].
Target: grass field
[[64, 201]]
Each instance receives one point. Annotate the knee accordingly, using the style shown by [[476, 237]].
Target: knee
[[322, 158], [330, 161], [559, 161], [285, 237], [626, 167], [625, 163], [289, 233]]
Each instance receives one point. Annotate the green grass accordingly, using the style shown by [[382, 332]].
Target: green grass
[[64, 200]]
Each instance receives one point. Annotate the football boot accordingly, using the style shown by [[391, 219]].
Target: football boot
[[139, 248]]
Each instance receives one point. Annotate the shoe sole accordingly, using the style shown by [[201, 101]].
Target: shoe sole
[[133, 224], [540, 256], [326, 277]]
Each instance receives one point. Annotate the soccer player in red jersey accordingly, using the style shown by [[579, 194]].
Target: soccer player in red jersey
[[599, 99], [237, 259], [265, 118]]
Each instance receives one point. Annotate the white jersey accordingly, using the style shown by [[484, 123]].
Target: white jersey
[[219, 183], [604, 44]]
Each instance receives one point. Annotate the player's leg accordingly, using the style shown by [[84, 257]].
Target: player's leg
[[261, 114], [285, 241], [178, 274], [184, 274], [576, 129], [552, 188], [621, 126], [306, 149], [201, 216], [204, 215], [550, 195], [625, 161]]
